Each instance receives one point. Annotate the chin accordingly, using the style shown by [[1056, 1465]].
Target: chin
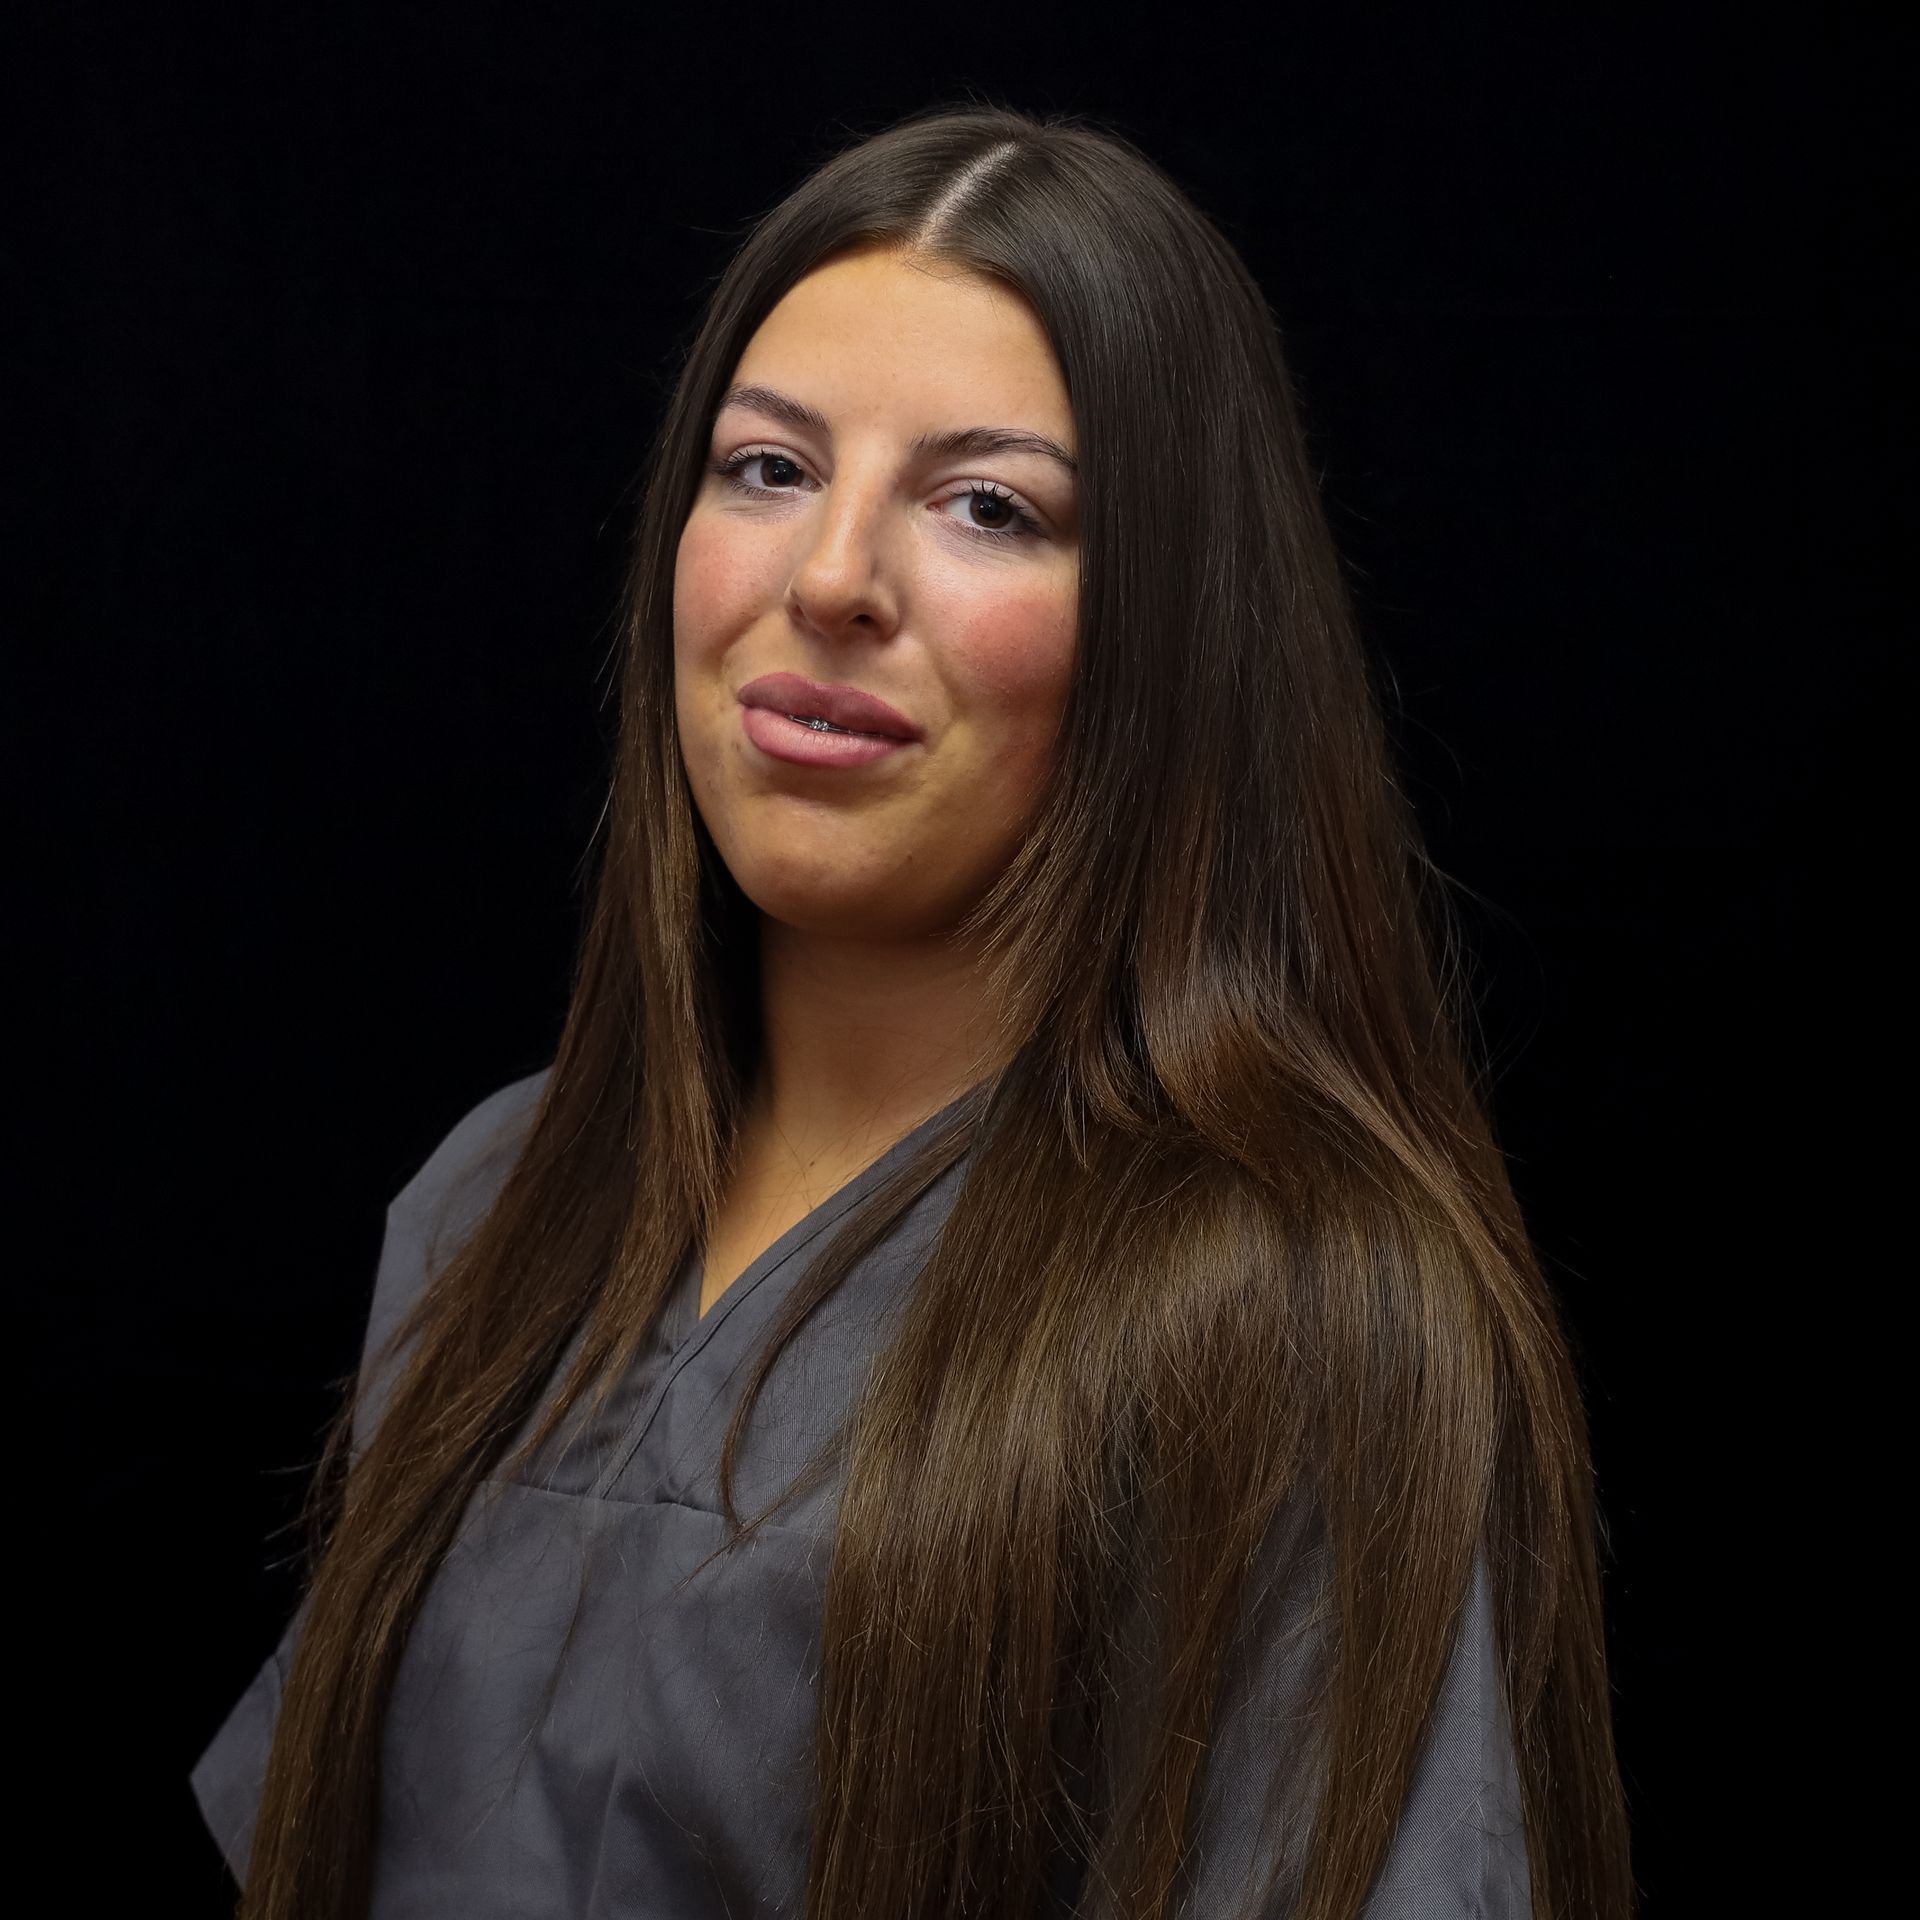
[[822, 897], [829, 907]]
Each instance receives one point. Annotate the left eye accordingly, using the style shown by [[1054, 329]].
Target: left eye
[[996, 502], [1007, 518]]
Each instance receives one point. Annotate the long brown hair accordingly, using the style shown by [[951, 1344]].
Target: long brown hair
[[1234, 1259]]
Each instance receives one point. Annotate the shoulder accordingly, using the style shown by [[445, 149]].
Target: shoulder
[[432, 1215], [476, 1153]]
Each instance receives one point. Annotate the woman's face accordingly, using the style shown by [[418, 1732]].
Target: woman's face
[[941, 582]]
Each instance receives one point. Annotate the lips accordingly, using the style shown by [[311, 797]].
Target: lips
[[848, 707]]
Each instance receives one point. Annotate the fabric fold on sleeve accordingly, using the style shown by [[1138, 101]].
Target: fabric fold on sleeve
[[228, 1776], [1459, 1849], [425, 1221]]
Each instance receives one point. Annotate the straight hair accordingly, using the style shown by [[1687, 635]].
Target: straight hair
[[1234, 1317]]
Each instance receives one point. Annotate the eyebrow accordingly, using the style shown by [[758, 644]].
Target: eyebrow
[[955, 441]]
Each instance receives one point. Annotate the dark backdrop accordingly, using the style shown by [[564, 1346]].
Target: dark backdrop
[[334, 340]]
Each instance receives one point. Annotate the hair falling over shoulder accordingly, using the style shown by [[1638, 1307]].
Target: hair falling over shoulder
[[1234, 1258]]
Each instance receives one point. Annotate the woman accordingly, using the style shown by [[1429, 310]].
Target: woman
[[1007, 1135]]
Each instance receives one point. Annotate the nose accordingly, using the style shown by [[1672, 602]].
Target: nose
[[843, 571]]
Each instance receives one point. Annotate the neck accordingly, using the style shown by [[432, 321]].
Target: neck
[[863, 1040]]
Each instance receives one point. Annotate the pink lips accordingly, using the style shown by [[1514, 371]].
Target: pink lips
[[804, 699], [777, 708], [805, 746]]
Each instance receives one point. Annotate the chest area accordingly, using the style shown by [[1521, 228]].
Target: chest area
[[766, 1203]]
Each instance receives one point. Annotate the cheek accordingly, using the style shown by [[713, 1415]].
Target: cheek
[[709, 608], [1014, 661], [709, 584]]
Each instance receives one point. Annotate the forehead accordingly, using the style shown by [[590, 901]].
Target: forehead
[[875, 328]]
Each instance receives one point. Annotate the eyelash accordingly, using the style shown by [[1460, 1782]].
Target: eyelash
[[729, 470]]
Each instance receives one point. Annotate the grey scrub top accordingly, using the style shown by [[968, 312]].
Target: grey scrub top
[[649, 1757]]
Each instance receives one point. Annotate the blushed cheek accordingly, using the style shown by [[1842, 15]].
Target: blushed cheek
[[1018, 660], [706, 578]]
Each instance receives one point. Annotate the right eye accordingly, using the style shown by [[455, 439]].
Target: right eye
[[731, 467]]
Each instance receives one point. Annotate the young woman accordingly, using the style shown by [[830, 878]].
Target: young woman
[[1008, 1137]]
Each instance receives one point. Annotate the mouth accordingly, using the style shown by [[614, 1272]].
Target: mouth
[[812, 742], [827, 709]]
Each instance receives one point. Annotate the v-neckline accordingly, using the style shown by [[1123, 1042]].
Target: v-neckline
[[701, 1256], [688, 1335], [823, 1214]]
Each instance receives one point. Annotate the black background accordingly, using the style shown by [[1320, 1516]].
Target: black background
[[334, 339]]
